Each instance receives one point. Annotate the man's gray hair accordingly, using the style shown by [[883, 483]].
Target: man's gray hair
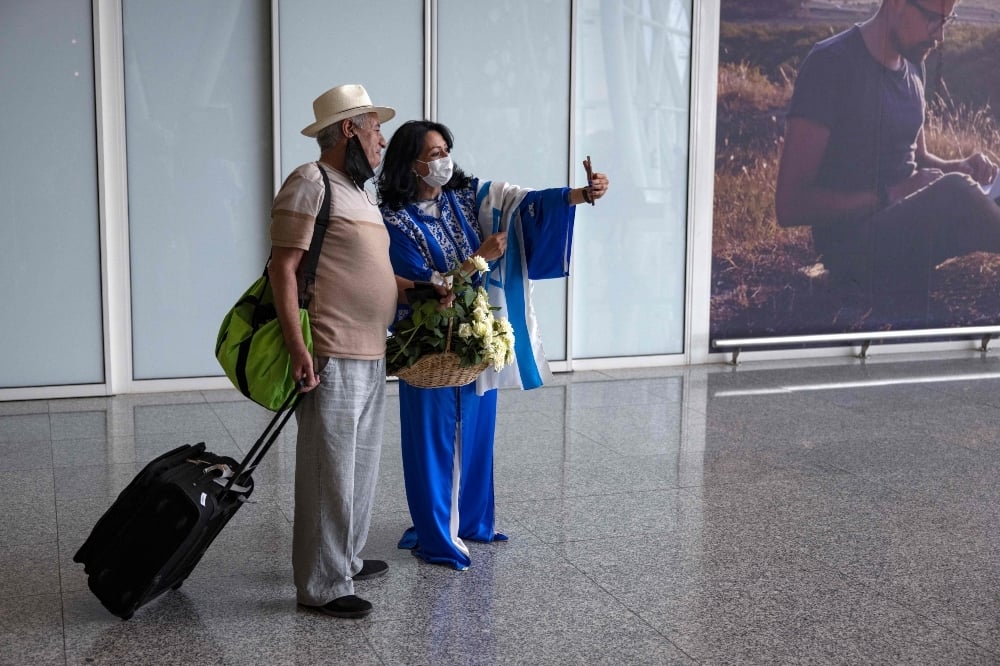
[[330, 136]]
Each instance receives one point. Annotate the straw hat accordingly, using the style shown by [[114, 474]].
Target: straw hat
[[343, 102]]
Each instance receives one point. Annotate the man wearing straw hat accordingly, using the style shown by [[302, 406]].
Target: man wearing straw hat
[[354, 298]]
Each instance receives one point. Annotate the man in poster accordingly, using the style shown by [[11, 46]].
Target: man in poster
[[884, 210]]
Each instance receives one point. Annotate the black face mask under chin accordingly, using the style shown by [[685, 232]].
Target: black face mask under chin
[[356, 163]]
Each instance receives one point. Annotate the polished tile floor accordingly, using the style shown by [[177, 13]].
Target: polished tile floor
[[829, 512]]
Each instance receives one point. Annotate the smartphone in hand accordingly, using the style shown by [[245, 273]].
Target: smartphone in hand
[[590, 180]]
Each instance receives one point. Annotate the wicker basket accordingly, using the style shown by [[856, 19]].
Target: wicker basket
[[441, 369]]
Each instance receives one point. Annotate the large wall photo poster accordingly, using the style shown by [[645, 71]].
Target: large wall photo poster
[[860, 238]]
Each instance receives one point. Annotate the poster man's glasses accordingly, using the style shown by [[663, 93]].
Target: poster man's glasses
[[935, 20]]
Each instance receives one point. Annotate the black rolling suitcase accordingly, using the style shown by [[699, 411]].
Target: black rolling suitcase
[[159, 527]]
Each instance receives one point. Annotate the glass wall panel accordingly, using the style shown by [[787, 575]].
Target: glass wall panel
[[379, 44], [198, 124], [503, 90], [50, 261], [632, 101]]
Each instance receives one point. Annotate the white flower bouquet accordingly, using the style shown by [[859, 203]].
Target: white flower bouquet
[[435, 346]]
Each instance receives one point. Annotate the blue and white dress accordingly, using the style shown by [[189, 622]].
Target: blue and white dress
[[447, 433]]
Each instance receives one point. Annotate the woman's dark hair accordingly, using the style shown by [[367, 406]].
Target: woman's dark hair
[[397, 183]]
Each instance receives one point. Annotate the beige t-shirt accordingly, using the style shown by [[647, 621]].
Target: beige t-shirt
[[354, 296]]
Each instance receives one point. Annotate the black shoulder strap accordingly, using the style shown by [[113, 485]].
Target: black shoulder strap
[[316, 245]]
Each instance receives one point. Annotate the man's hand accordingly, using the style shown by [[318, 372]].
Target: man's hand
[[980, 167], [921, 179], [282, 269], [302, 370]]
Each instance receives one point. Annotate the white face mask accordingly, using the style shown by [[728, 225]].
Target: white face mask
[[439, 171]]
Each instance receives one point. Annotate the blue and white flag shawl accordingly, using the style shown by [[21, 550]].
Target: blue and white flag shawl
[[539, 226]]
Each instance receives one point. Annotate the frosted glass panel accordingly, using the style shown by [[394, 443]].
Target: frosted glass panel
[[632, 106], [198, 122], [379, 44], [503, 89], [49, 227]]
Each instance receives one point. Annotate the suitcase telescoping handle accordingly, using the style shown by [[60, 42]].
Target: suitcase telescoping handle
[[266, 439]]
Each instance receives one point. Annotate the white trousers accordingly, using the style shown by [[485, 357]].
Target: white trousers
[[336, 468]]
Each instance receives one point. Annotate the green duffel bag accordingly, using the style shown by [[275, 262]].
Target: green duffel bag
[[250, 346], [251, 349]]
